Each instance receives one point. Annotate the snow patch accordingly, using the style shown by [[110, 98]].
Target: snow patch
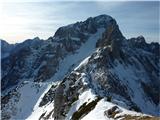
[[72, 60], [98, 112], [30, 93]]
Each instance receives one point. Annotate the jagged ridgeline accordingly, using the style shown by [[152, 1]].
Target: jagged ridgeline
[[88, 70]]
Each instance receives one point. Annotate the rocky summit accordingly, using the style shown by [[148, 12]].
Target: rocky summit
[[86, 71]]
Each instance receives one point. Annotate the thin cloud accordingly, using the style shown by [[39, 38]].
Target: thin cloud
[[35, 18]]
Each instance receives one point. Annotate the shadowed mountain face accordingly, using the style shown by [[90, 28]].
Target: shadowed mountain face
[[79, 70], [44, 56]]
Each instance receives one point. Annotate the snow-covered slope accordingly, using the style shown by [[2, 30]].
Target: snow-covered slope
[[87, 70], [73, 59], [23, 99]]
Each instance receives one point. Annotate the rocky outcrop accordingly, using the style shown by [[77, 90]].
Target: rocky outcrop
[[66, 93], [110, 113], [112, 38]]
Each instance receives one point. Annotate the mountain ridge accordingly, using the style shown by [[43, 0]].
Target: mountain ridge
[[83, 66]]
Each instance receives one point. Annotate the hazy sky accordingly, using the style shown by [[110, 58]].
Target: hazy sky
[[22, 20]]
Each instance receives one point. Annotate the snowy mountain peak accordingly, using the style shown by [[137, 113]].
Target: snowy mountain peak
[[102, 19], [88, 70], [88, 26]]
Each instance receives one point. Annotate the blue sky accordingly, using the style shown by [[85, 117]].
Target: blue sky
[[22, 20]]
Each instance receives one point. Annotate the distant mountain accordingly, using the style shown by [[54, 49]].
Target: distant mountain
[[6, 48], [87, 70]]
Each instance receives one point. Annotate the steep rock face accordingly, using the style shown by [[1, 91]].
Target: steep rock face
[[113, 38], [111, 33]]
